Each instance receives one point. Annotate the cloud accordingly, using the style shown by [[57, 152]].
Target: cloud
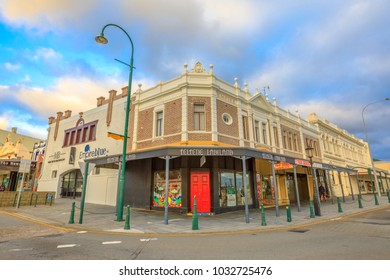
[[68, 93], [3, 123], [24, 122], [44, 15], [11, 67]]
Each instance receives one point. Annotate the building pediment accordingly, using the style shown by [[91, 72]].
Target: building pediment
[[259, 100]]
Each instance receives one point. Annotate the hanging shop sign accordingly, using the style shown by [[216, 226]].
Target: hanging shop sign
[[302, 162], [283, 165]]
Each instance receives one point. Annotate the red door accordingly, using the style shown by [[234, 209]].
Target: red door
[[200, 186]]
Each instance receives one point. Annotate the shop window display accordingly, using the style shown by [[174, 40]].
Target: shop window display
[[174, 189], [265, 190], [231, 191]]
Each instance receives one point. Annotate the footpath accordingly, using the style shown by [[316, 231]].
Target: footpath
[[102, 218]]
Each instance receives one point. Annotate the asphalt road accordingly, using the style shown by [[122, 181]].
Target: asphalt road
[[364, 236]]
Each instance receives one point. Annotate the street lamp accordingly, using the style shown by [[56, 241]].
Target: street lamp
[[317, 206], [121, 190], [368, 145]]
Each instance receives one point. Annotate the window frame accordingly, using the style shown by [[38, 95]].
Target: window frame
[[199, 117], [81, 133]]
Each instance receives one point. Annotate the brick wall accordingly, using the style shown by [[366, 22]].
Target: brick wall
[[145, 124], [9, 199], [223, 128], [172, 117]]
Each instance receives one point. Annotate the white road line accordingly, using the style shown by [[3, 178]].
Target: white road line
[[148, 239], [18, 250], [111, 242], [67, 246], [83, 231]]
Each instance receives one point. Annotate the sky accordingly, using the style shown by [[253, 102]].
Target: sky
[[330, 57]]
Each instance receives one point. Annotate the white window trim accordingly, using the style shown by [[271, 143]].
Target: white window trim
[[156, 110]]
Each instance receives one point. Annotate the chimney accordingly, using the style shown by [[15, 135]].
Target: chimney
[[124, 91], [100, 101], [68, 113]]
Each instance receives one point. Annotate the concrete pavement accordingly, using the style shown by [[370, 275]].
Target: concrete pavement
[[102, 218]]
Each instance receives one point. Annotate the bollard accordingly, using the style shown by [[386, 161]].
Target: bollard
[[51, 199], [36, 199], [127, 222], [312, 210], [71, 219], [45, 199], [16, 195], [195, 224], [339, 205], [360, 201], [376, 199], [263, 221], [288, 210], [388, 195], [31, 198], [20, 199]]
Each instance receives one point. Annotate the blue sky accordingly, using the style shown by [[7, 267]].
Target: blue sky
[[329, 57]]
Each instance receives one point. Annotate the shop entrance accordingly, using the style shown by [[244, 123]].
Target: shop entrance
[[200, 186], [72, 184]]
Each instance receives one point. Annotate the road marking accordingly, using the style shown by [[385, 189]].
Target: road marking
[[18, 250], [67, 246], [148, 239], [335, 219], [111, 242], [83, 231]]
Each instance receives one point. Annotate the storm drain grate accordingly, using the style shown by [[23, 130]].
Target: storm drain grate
[[299, 230]]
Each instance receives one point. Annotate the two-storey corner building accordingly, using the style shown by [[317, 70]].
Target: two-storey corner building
[[74, 139], [197, 135]]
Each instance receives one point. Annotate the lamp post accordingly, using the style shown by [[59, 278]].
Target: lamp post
[[317, 206], [121, 189], [368, 145]]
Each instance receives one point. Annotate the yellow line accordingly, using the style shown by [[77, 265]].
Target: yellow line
[[36, 221], [206, 233]]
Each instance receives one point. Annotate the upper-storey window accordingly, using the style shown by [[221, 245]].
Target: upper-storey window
[[245, 131], [264, 132], [199, 118], [159, 124], [80, 134], [257, 131]]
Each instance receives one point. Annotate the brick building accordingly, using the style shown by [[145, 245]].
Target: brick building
[[231, 148], [221, 143]]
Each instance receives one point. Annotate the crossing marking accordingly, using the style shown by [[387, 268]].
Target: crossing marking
[[18, 250], [111, 242], [67, 246], [148, 239]]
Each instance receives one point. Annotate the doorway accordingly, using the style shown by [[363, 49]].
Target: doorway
[[200, 187]]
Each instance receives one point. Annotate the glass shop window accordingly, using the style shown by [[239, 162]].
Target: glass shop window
[[174, 189], [231, 189]]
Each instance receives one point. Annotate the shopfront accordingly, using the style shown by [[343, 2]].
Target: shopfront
[[10, 176], [222, 179]]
